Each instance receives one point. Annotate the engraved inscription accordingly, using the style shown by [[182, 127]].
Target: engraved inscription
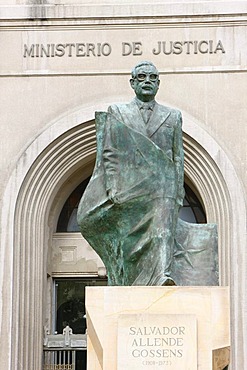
[[189, 47], [165, 338], [69, 50], [150, 341], [134, 48]]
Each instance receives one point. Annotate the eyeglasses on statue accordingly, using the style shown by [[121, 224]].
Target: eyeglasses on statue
[[143, 76]]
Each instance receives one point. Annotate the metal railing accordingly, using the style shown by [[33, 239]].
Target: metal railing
[[62, 351], [60, 359]]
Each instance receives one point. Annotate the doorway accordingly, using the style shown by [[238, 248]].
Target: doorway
[[69, 309]]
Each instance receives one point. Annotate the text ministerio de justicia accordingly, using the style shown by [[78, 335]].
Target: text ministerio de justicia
[[90, 49]]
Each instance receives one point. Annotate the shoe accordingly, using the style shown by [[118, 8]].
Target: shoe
[[169, 282]]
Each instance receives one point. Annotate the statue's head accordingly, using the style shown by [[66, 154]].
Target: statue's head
[[145, 81]]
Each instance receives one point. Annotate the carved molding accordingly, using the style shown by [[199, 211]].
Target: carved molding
[[145, 9]]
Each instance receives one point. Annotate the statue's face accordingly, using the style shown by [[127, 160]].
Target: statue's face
[[146, 82]]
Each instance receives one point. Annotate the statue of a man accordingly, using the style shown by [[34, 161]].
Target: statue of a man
[[129, 211]]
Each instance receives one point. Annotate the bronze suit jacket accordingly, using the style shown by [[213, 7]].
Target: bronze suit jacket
[[164, 128]]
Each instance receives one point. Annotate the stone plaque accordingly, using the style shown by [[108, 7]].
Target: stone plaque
[[150, 342]]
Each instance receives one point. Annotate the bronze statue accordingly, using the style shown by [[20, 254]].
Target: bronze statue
[[129, 211]]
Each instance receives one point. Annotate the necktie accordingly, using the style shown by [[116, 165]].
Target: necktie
[[146, 111]]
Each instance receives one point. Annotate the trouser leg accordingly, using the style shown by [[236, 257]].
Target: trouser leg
[[166, 221]]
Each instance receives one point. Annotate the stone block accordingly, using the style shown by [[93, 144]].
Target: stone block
[[115, 312]]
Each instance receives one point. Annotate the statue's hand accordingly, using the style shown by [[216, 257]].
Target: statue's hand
[[112, 195], [180, 197], [180, 202]]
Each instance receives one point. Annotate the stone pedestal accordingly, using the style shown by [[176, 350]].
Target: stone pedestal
[[156, 327]]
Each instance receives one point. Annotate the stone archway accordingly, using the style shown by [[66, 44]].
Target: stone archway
[[67, 145]]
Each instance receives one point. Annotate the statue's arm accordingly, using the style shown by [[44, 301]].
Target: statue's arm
[[179, 158], [110, 159], [114, 110]]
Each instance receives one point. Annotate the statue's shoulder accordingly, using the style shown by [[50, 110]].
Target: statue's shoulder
[[174, 114], [170, 110], [120, 107]]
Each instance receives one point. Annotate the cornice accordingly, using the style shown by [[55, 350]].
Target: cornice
[[105, 13], [159, 22]]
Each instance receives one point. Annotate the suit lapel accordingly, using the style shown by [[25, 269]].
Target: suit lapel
[[156, 120], [133, 118]]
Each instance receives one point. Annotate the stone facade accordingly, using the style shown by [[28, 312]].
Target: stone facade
[[62, 62]]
